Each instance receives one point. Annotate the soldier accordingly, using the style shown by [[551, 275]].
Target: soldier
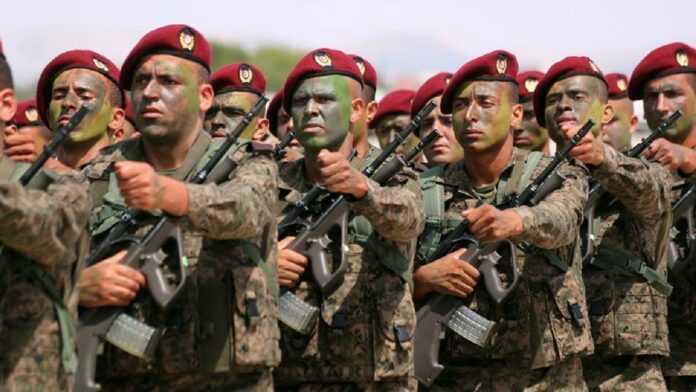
[[446, 149], [362, 339], [26, 135], [360, 128], [222, 331], [529, 135], [666, 82], [39, 245], [237, 87], [127, 130], [617, 132], [280, 125], [542, 328], [76, 77], [627, 302], [393, 116]]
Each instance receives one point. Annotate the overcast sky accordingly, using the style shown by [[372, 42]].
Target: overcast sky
[[404, 37]]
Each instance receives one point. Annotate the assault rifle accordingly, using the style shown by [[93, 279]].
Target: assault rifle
[[446, 310], [159, 256]]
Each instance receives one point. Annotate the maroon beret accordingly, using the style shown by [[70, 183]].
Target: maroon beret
[[319, 62], [527, 82], [26, 114], [666, 60], [273, 110], [238, 77], [396, 102], [569, 66], [618, 85], [176, 40], [497, 65], [368, 72], [430, 89], [86, 59]]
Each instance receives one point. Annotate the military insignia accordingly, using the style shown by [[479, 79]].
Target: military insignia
[[621, 84], [322, 59], [245, 74], [186, 40], [31, 114], [501, 63], [447, 80], [100, 65], [682, 58], [594, 66], [361, 66], [531, 84]]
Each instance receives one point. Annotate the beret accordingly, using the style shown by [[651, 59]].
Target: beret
[[569, 66], [527, 82], [176, 40], [86, 59], [396, 102], [669, 59], [498, 65], [26, 114], [319, 62], [430, 89], [368, 72], [273, 110], [618, 85], [239, 77]]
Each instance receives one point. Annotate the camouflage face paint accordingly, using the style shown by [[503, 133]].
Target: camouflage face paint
[[530, 135], [389, 126], [482, 114], [664, 96], [166, 104], [571, 102], [617, 132], [74, 88], [321, 108], [446, 148], [227, 111]]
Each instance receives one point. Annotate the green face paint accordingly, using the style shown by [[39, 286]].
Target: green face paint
[[321, 108], [571, 102], [74, 88], [389, 126], [481, 114], [664, 96], [227, 111], [530, 135], [165, 95], [617, 132]]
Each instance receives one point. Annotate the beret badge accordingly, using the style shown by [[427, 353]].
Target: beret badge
[[322, 58], [246, 75], [186, 40]]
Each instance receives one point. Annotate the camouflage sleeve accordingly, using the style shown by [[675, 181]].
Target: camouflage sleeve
[[44, 225], [394, 210], [240, 207], [642, 187], [555, 221]]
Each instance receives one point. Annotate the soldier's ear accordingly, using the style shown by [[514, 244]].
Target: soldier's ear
[[371, 111], [118, 116], [607, 114], [206, 96], [358, 107], [261, 131], [516, 115], [8, 105]]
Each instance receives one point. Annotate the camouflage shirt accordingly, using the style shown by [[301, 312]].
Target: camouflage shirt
[[355, 339], [48, 227], [629, 317], [535, 325], [225, 320]]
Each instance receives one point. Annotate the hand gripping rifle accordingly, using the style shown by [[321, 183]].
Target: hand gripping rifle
[[281, 148], [446, 310], [597, 192], [321, 236], [159, 256]]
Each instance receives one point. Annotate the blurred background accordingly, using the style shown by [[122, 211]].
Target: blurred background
[[407, 40]]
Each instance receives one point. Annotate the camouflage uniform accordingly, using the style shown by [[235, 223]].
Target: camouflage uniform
[[680, 368], [629, 316], [222, 331], [49, 228], [363, 338], [539, 339]]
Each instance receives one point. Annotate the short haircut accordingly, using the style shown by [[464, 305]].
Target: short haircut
[[5, 75]]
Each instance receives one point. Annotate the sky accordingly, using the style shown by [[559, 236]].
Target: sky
[[405, 40]]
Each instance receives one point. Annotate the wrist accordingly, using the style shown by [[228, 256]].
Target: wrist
[[688, 166], [361, 188], [420, 285], [172, 196]]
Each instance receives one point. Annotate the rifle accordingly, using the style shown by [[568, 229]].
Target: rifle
[[441, 309], [159, 256], [281, 148], [597, 191]]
